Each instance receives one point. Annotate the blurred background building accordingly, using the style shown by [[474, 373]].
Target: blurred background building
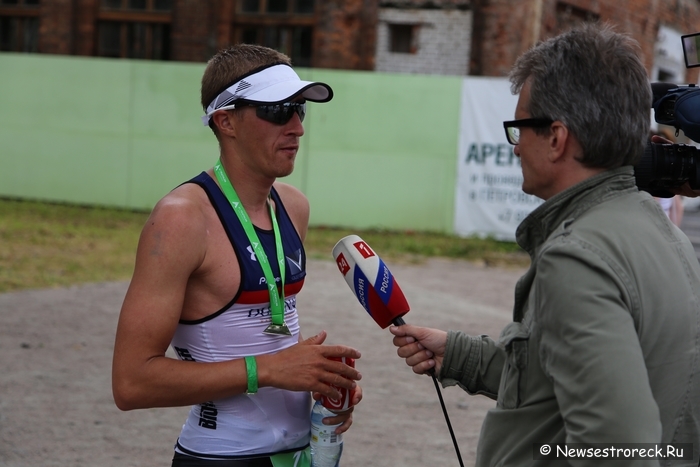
[[447, 37]]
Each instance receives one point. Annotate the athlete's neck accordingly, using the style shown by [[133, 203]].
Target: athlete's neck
[[252, 189]]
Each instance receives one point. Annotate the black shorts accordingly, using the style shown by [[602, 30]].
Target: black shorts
[[183, 460]]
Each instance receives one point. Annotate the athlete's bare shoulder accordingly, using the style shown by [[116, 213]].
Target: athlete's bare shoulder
[[292, 197], [178, 222], [186, 204]]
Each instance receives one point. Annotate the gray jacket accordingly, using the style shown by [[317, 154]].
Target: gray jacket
[[604, 346]]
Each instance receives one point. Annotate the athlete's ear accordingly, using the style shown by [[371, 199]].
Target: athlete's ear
[[224, 122]]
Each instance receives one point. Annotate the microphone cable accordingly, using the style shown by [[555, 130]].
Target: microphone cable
[[398, 322]]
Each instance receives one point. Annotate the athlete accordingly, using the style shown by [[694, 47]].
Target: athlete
[[218, 266]]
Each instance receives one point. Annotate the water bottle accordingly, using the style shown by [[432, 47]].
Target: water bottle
[[326, 446]]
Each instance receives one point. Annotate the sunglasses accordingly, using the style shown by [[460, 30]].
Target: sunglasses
[[279, 114], [513, 127]]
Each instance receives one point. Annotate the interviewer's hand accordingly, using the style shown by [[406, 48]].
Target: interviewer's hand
[[423, 348], [660, 140], [685, 190]]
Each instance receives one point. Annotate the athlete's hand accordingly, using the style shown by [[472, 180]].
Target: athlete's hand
[[306, 367], [345, 418]]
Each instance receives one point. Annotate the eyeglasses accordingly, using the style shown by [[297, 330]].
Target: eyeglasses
[[279, 114], [513, 127]]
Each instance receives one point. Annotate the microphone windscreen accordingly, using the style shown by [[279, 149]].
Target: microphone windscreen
[[370, 280]]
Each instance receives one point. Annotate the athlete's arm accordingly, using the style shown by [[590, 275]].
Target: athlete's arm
[[171, 247]]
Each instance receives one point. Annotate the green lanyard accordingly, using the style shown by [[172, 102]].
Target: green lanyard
[[278, 325]]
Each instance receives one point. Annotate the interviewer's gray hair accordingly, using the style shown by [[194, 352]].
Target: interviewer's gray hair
[[592, 80]]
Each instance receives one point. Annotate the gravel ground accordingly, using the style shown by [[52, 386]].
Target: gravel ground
[[56, 406]]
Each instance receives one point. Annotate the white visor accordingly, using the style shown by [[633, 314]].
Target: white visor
[[272, 85]]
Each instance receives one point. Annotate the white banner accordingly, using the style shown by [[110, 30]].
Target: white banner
[[489, 201]]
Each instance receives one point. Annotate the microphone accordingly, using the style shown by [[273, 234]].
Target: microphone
[[380, 295], [371, 281]]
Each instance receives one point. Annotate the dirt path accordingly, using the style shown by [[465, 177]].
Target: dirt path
[[56, 407]]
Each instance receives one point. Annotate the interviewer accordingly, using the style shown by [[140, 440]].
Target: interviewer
[[604, 346]]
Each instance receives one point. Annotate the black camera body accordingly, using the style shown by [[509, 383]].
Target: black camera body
[[668, 166], [665, 166]]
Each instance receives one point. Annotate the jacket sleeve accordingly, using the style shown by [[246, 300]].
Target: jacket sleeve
[[475, 363], [590, 350]]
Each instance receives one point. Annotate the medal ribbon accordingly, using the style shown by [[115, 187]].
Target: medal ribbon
[[276, 295]]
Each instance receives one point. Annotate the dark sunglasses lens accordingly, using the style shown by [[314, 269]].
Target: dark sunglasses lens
[[281, 113], [301, 111]]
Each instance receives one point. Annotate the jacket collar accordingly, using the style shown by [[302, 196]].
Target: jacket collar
[[566, 206]]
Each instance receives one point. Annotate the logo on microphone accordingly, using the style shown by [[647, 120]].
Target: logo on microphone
[[342, 264], [385, 280], [364, 249]]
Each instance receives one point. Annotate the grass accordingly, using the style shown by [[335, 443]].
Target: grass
[[51, 245], [56, 245], [418, 246]]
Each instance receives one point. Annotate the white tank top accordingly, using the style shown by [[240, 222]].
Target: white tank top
[[272, 420]]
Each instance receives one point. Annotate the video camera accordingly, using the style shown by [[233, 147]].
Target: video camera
[[665, 166]]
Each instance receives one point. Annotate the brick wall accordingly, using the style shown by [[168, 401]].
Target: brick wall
[[348, 34], [85, 27], [345, 34], [194, 29], [344, 31], [56, 27], [505, 28], [441, 44]]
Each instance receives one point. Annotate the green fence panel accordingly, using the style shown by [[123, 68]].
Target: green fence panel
[[64, 127], [123, 133]]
